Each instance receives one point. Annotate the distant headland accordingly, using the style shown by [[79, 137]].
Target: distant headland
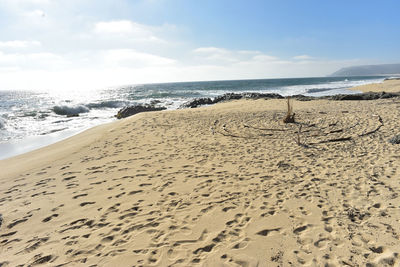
[[369, 70]]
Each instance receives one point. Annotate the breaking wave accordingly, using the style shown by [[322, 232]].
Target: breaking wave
[[66, 110]]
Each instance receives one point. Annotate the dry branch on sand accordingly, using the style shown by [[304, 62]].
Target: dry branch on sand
[[289, 115]]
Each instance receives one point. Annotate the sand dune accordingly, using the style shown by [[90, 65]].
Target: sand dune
[[225, 185]]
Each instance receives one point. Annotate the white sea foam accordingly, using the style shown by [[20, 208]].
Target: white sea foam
[[316, 89]]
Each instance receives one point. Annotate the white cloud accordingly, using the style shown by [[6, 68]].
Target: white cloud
[[216, 55], [264, 58], [19, 44], [54, 44], [25, 3], [249, 52], [132, 58], [127, 29], [211, 50], [42, 60], [36, 13], [249, 64], [120, 26], [111, 67], [224, 56], [303, 57], [32, 2]]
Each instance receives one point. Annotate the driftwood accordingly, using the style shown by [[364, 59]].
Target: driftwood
[[289, 115], [319, 132], [334, 140], [264, 129], [375, 130]]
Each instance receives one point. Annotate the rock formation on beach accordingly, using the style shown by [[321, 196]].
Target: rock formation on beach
[[132, 110], [232, 96], [229, 96]]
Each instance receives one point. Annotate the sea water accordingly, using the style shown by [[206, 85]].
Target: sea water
[[34, 118]]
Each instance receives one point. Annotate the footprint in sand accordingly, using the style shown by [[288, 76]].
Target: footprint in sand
[[16, 222], [268, 232], [87, 203], [47, 219], [39, 259], [301, 229], [78, 196]]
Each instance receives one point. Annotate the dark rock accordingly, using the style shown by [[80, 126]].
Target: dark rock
[[302, 97], [1, 220], [347, 97], [395, 139], [364, 96], [132, 110], [234, 96], [154, 102], [392, 78], [198, 102], [72, 115], [227, 97], [262, 95]]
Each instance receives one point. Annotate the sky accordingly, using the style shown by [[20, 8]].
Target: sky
[[79, 44]]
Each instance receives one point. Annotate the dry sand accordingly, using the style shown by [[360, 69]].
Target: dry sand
[[225, 185], [390, 86]]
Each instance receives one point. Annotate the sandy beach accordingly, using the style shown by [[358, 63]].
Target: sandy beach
[[389, 86], [225, 185]]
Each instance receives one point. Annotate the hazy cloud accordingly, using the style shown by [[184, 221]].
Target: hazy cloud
[[43, 60], [132, 58], [54, 44], [303, 57], [19, 44], [128, 29]]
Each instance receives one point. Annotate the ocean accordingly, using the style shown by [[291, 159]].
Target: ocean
[[34, 118]]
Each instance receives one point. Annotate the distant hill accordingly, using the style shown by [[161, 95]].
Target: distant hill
[[369, 70]]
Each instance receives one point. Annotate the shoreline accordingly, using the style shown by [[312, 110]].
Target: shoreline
[[31, 143], [18, 147], [389, 85], [212, 186]]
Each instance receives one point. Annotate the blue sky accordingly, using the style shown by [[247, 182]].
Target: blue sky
[[88, 43]]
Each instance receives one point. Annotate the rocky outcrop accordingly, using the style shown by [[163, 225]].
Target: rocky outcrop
[[132, 110], [226, 97], [364, 96], [234, 96], [198, 102]]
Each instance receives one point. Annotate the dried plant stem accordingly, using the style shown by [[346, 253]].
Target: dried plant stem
[[289, 115]]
